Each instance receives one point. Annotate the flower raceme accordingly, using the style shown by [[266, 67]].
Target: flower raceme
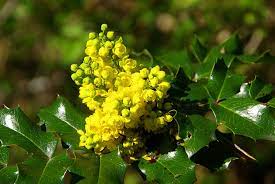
[[124, 98]]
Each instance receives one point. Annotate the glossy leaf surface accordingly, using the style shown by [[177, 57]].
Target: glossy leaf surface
[[106, 168], [40, 171], [222, 84], [173, 167], [197, 133], [259, 89], [16, 128], [63, 118], [246, 117]]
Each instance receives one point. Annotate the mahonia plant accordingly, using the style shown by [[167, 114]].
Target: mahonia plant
[[125, 99], [153, 124]]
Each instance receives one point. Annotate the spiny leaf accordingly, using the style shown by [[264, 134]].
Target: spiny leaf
[[197, 133], [259, 89], [63, 118], [198, 49], [265, 57], [176, 59], [222, 84], [173, 167], [245, 116], [16, 128], [40, 171], [106, 168], [197, 92], [232, 45]]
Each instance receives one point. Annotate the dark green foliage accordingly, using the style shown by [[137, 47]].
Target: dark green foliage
[[210, 100]]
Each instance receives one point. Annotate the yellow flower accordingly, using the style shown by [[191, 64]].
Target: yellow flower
[[123, 98]]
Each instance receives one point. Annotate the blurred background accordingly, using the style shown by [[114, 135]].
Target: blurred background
[[39, 39]]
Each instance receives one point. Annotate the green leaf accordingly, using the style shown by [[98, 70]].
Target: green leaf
[[205, 69], [271, 103], [106, 168], [8, 175], [232, 45], [259, 89], [4, 155], [176, 59], [197, 92], [40, 171], [173, 167], [144, 58], [63, 118], [265, 57], [55, 169], [16, 128], [197, 133], [245, 116], [198, 49], [222, 84]]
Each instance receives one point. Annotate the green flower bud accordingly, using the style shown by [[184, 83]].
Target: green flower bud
[[79, 72], [108, 44], [92, 35], [86, 80], [125, 112], [86, 60], [88, 71], [74, 76], [104, 27], [83, 66], [101, 34], [74, 67], [110, 35]]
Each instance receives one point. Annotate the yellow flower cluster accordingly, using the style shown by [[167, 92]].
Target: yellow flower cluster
[[124, 97]]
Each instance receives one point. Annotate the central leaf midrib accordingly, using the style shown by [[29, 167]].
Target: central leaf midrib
[[249, 120], [55, 116], [168, 169], [27, 139]]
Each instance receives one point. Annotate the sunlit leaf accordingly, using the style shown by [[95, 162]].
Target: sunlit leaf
[[197, 132], [245, 116], [173, 167], [106, 168], [63, 118], [16, 128]]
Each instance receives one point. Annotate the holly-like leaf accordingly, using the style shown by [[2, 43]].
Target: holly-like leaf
[[198, 49], [173, 167], [40, 171], [63, 118], [259, 89], [205, 69], [176, 59], [106, 168], [222, 84], [197, 133], [271, 103], [232, 45], [16, 128], [197, 91], [265, 57], [245, 116], [8, 175]]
